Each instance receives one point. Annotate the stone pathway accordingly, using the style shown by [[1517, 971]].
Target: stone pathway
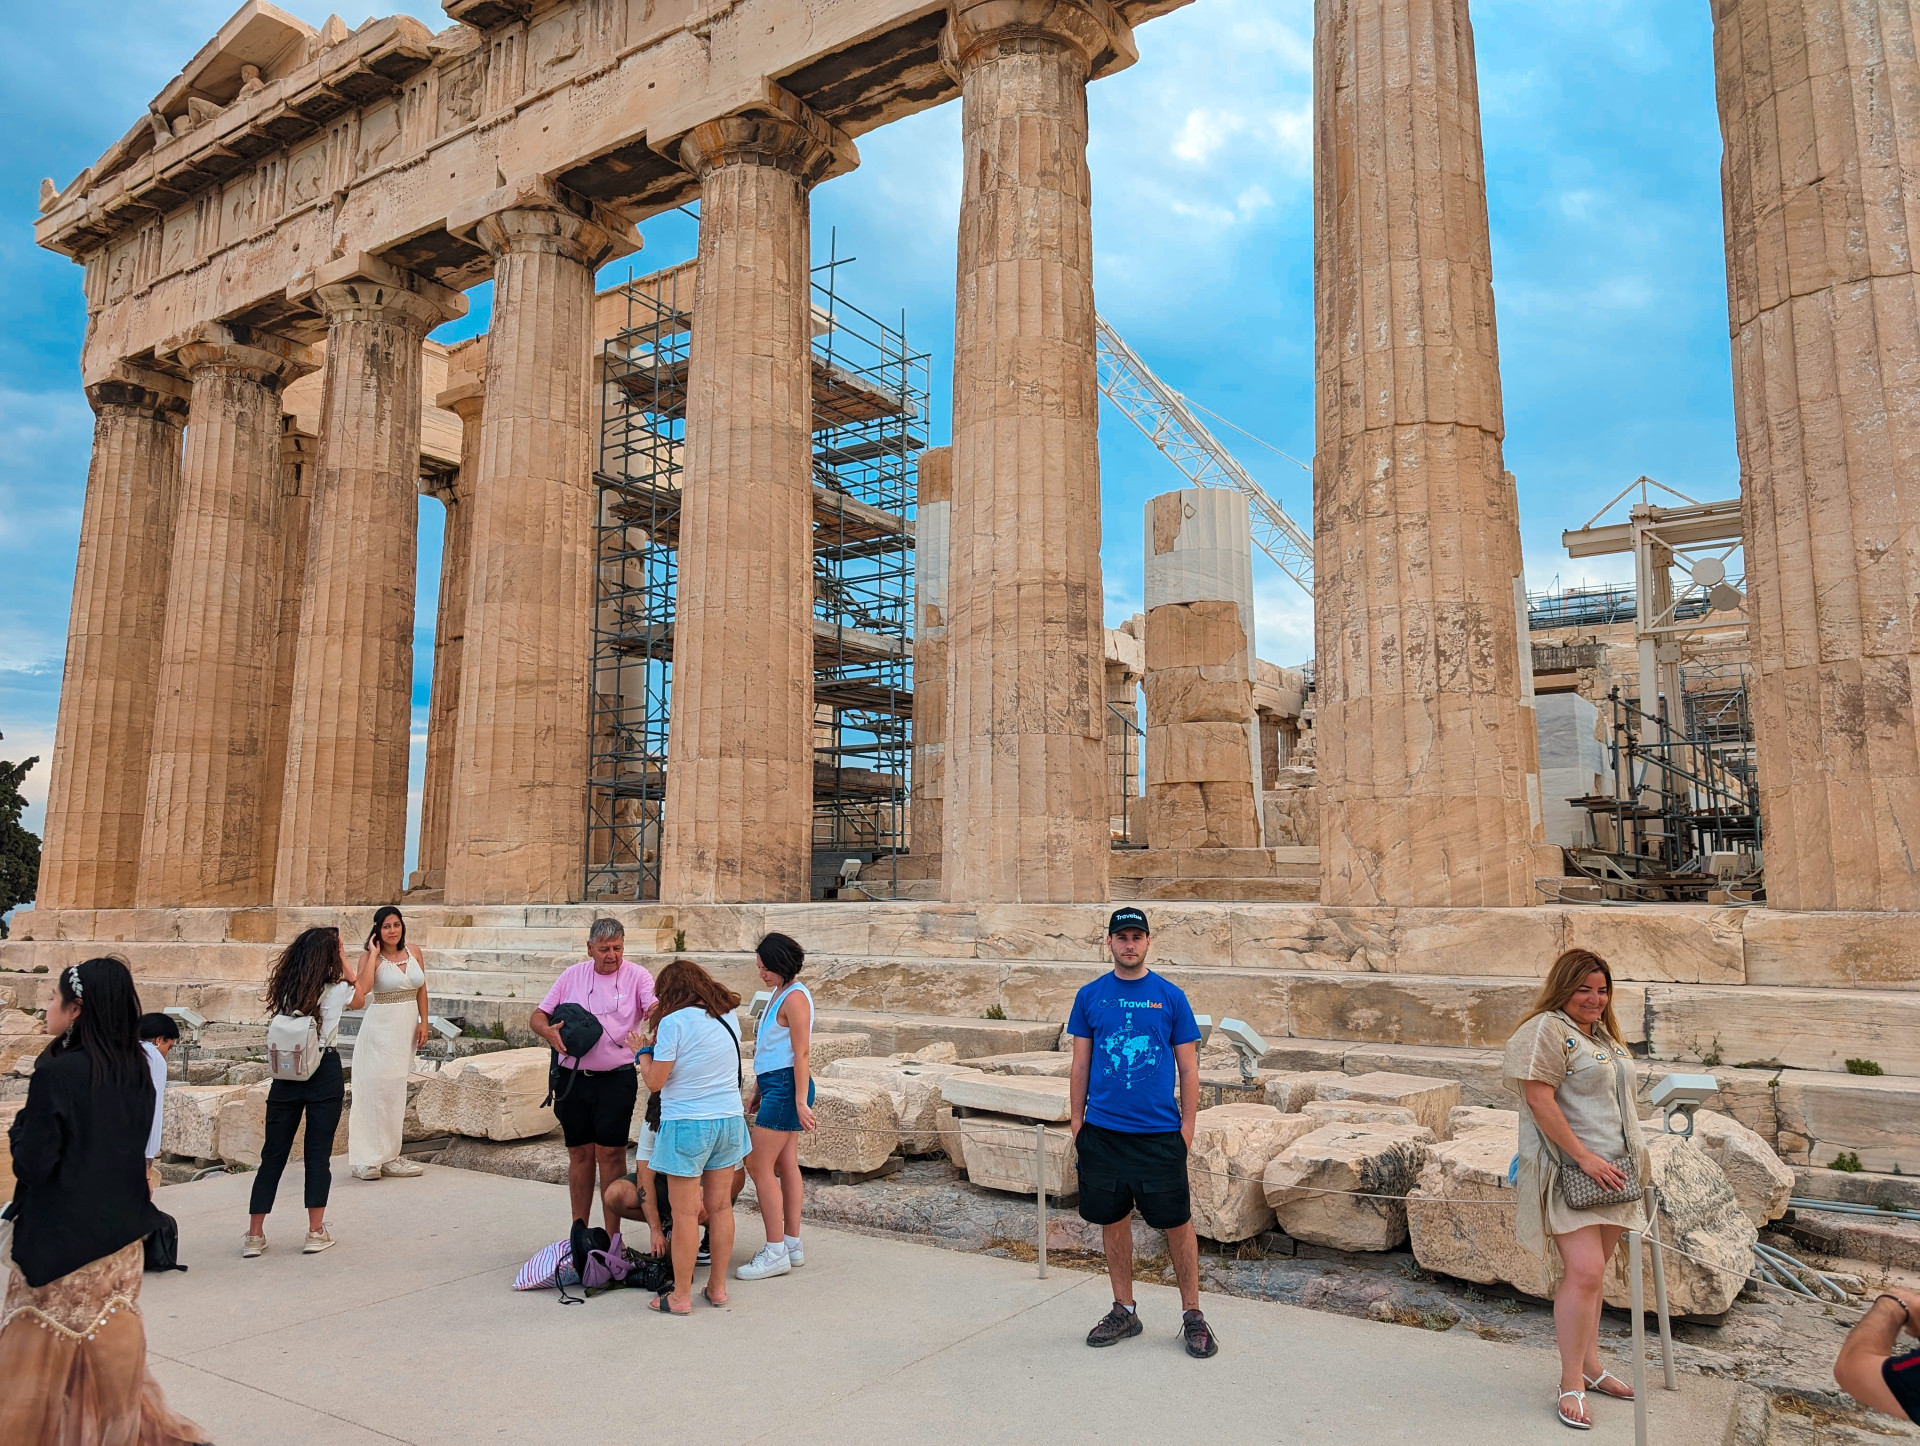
[[407, 1331]]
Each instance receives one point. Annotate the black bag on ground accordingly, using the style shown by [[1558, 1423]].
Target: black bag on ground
[[163, 1245], [580, 1031]]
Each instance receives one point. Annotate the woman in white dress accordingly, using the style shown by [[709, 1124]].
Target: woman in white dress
[[391, 983]]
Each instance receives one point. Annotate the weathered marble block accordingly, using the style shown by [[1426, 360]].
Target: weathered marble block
[[1465, 1119], [1365, 1162], [915, 1087], [190, 1120], [488, 1097], [856, 1127], [1337, 1112], [1429, 1099], [1761, 1180], [999, 1154], [1232, 1145], [1029, 1097], [1289, 1092]]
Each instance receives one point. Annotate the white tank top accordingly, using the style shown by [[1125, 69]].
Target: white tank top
[[773, 1044]]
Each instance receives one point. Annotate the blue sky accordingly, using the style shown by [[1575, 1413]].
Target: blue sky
[[1603, 175]]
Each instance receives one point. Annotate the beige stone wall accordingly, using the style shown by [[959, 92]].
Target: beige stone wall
[[1820, 192], [96, 797], [1426, 755], [1026, 749]]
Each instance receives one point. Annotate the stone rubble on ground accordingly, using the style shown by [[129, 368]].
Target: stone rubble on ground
[[856, 1127], [488, 1096], [998, 1153], [1364, 1162], [1231, 1147], [915, 1087], [1761, 1180]]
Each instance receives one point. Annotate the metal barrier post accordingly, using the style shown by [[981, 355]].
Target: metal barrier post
[[1660, 1288], [1636, 1292], [1040, 1194]]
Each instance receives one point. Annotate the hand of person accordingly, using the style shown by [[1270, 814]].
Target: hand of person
[[657, 1242], [635, 1040], [806, 1115], [1073, 1127], [1603, 1174], [1186, 1132], [420, 1035]]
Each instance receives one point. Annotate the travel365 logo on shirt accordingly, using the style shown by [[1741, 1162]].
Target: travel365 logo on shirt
[[1130, 1053]]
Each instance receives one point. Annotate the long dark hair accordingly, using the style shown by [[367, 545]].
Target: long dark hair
[[304, 970], [108, 1029], [683, 984], [781, 955], [380, 916]]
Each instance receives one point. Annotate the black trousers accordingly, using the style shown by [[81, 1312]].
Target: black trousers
[[320, 1098]]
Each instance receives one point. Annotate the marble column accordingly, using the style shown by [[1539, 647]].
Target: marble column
[[517, 829], [1026, 802], [96, 797], [449, 640], [1203, 741], [1821, 181], [207, 782], [343, 823], [933, 507], [1429, 769], [738, 820], [299, 465]]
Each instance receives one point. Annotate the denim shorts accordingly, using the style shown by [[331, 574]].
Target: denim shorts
[[776, 1100], [692, 1147]]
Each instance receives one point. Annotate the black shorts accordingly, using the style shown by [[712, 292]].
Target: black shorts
[[597, 1109], [1119, 1171], [1902, 1375]]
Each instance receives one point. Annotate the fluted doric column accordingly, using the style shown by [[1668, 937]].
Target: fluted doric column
[[449, 640], [1429, 776], [1821, 181], [1026, 792], [96, 797], [517, 833], [299, 466], [207, 778], [738, 821], [343, 820], [932, 514]]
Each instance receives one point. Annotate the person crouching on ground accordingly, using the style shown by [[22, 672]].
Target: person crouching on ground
[[1576, 1082], [693, 1064], [595, 1102], [1867, 1368], [784, 1105], [158, 1035], [629, 1199], [1132, 1032]]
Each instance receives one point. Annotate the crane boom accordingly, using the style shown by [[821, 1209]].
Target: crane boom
[[1163, 415]]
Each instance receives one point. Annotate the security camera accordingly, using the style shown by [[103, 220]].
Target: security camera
[[192, 1018], [1205, 1022], [1248, 1045], [445, 1028], [1679, 1095], [759, 1005]]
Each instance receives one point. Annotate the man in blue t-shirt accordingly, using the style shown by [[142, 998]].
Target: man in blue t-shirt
[[1132, 1033]]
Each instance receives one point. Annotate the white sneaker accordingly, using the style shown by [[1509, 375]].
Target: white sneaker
[[403, 1167], [317, 1241], [772, 1260], [253, 1247], [367, 1172], [796, 1255]]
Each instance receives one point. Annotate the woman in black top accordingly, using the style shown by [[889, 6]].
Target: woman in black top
[[73, 1353]]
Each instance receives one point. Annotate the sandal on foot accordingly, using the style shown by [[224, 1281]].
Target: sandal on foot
[[708, 1296], [1625, 1393], [658, 1305], [1573, 1421]]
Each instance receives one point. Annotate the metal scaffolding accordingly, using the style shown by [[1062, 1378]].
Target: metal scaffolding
[[870, 397]]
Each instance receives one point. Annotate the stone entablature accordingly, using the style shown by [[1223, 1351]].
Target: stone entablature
[[370, 140]]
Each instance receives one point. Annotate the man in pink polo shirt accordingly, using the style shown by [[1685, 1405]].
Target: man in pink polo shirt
[[595, 1105]]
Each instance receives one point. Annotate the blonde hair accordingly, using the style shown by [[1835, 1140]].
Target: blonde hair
[[1564, 979]]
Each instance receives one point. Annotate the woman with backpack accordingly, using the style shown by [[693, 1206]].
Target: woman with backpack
[[783, 1097], [693, 1064], [309, 981], [391, 984], [73, 1351]]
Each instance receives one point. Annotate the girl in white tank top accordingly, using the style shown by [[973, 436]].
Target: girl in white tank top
[[781, 1107]]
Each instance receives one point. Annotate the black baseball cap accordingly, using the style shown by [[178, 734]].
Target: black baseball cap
[[1128, 918]]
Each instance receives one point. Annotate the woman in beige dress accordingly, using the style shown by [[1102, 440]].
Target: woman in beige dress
[[1575, 1082], [391, 984]]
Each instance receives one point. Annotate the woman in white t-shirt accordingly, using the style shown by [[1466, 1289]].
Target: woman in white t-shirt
[[693, 1064]]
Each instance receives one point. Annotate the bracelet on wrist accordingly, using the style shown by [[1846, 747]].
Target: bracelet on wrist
[[1901, 1304]]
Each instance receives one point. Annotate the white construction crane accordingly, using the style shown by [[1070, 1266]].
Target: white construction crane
[[1163, 415]]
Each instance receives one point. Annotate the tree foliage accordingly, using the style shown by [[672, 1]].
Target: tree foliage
[[19, 848]]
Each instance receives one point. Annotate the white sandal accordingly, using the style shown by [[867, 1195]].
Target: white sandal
[[1594, 1385], [1573, 1421]]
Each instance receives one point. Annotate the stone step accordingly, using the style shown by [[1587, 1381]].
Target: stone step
[[1221, 863], [1275, 890]]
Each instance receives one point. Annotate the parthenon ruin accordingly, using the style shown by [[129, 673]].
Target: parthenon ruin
[[265, 252]]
